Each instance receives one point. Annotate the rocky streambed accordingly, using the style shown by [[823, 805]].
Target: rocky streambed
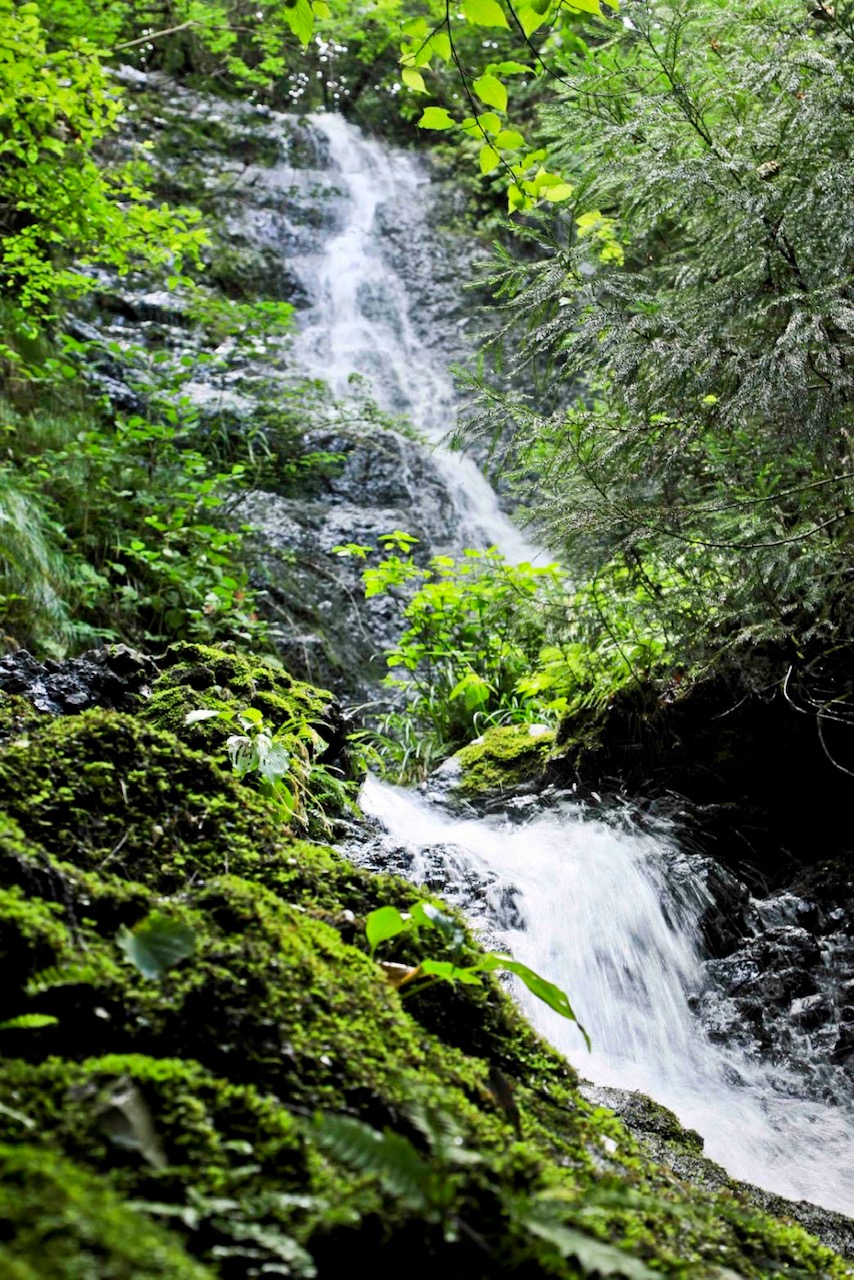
[[211, 1117]]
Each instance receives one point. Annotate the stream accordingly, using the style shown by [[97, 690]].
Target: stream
[[608, 912]]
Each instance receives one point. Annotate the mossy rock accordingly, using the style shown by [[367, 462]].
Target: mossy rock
[[58, 1222], [502, 759], [196, 677], [193, 1093]]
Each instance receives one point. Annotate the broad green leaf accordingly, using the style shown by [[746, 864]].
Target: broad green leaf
[[560, 191], [530, 18], [511, 69], [446, 971], [489, 161], [300, 19], [515, 198], [427, 913], [440, 44], [413, 79], [321, 9], [491, 91], [509, 139], [156, 944], [484, 13], [585, 6], [382, 924], [540, 987], [489, 122], [436, 118], [251, 715]]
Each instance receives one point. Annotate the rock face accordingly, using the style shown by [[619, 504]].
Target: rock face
[[319, 619], [115, 677], [268, 1102], [328, 466]]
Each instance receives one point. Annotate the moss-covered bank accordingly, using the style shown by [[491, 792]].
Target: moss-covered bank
[[164, 1126]]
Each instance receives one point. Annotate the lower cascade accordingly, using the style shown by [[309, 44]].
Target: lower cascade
[[612, 916]]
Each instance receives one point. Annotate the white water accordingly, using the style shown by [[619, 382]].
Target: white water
[[594, 909], [361, 322], [590, 907]]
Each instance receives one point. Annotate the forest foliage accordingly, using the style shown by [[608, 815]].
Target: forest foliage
[[672, 378]]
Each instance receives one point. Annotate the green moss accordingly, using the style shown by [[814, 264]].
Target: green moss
[[503, 758], [103, 790], [17, 716], [60, 1223], [198, 677], [280, 1013]]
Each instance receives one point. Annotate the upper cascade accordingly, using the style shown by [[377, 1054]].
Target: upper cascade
[[363, 292]]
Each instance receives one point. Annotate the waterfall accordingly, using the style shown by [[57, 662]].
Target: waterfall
[[612, 917], [361, 322], [609, 914]]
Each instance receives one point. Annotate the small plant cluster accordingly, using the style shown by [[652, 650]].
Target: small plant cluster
[[285, 763], [486, 643], [387, 922]]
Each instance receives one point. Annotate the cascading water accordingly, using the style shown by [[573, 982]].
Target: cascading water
[[611, 915], [360, 321]]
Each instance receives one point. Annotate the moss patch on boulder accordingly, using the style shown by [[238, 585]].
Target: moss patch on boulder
[[189, 1103], [503, 759]]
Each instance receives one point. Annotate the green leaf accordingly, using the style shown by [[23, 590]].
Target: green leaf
[[300, 19], [516, 198], [585, 6], [156, 944], [484, 13], [427, 913], [530, 18], [491, 91], [413, 80], [489, 122], [382, 924], [540, 987], [388, 1155], [509, 139], [28, 1022], [560, 191], [440, 44], [595, 1256], [489, 161], [511, 69], [447, 971], [436, 118]]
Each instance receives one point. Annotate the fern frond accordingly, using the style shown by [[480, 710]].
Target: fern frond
[[392, 1158]]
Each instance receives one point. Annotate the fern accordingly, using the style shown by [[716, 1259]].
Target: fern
[[34, 577], [392, 1158]]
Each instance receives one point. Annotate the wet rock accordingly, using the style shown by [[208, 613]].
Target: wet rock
[[810, 1012], [843, 1049], [659, 1132], [113, 677]]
